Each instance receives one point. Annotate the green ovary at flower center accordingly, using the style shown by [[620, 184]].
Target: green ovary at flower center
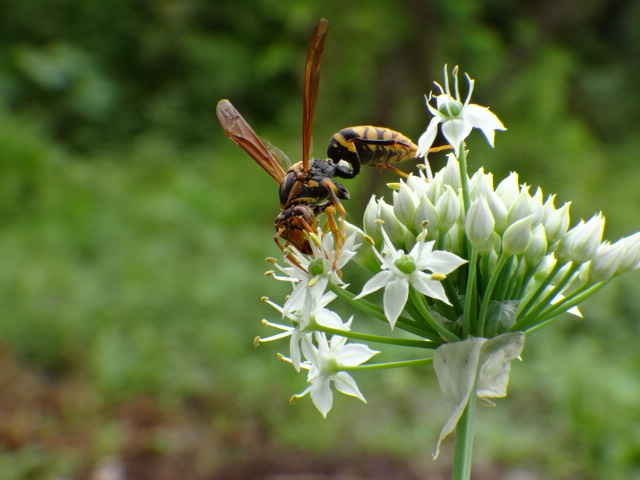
[[451, 109], [406, 264], [316, 267]]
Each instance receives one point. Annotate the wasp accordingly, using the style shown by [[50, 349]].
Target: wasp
[[309, 187]]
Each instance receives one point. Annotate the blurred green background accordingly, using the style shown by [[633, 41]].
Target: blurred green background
[[133, 233]]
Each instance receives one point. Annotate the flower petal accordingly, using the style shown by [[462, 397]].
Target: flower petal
[[322, 396], [484, 119], [375, 283], [455, 131], [395, 297], [440, 261], [431, 288], [426, 139], [354, 354], [346, 384]]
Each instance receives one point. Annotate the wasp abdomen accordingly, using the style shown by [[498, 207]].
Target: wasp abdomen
[[368, 145]]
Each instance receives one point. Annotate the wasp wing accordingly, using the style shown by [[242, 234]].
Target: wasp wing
[[279, 155], [241, 133], [310, 87]]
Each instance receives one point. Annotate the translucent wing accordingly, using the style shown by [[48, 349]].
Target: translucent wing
[[310, 87], [241, 133]]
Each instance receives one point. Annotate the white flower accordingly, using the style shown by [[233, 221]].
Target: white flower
[[317, 271], [399, 270], [305, 322], [326, 363], [457, 118]]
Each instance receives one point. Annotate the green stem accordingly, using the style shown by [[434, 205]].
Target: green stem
[[406, 363], [375, 311], [526, 305], [464, 439], [546, 300], [484, 307], [464, 179], [405, 342], [561, 307], [471, 296], [418, 300]]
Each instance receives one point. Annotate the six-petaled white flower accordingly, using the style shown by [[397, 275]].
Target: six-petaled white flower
[[457, 118], [327, 362], [422, 268]]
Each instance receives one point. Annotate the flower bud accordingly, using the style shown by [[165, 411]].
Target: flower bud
[[556, 222], [393, 227], [426, 212], [498, 210], [448, 208], [605, 262], [369, 221], [516, 237], [509, 189], [479, 223], [418, 184], [451, 173], [405, 202], [480, 184], [521, 206], [581, 242], [537, 248]]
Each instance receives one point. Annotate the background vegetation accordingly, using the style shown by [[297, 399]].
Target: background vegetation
[[133, 232]]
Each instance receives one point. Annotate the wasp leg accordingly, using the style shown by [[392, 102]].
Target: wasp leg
[[335, 206], [283, 249], [440, 148]]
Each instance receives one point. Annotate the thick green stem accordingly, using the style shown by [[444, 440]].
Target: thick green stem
[[471, 296], [464, 439], [484, 308]]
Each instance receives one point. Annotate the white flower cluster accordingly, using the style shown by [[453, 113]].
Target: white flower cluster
[[466, 267], [540, 267]]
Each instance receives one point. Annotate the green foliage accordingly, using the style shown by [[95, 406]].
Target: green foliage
[[133, 232]]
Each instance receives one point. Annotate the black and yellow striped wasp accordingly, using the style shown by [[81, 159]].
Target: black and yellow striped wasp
[[309, 188]]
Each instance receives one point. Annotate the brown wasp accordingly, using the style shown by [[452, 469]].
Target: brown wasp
[[309, 188]]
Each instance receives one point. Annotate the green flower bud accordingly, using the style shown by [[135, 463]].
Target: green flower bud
[[448, 207], [451, 173], [580, 243], [395, 229], [509, 189], [405, 202], [556, 222], [479, 223], [369, 221], [516, 237], [537, 248], [427, 212]]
